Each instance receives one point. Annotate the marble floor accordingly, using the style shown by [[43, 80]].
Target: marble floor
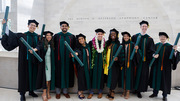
[[12, 95]]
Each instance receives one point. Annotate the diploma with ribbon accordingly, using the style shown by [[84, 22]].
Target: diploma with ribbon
[[157, 51], [42, 31], [75, 56], [5, 18], [137, 43], [29, 47], [175, 43], [116, 54]]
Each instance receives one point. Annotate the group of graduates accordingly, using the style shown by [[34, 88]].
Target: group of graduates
[[58, 69]]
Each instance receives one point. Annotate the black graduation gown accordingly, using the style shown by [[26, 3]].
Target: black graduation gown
[[160, 78], [83, 73], [113, 73], [11, 42], [142, 71], [41, 76], [58, 81]]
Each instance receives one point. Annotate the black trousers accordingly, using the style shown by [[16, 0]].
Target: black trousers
[[156, 93]]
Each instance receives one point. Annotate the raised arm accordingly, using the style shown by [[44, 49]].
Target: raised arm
[[9, 40]]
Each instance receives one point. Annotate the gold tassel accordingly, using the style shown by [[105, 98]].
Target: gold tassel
[[144, 58], [121, 68], [128, 64]]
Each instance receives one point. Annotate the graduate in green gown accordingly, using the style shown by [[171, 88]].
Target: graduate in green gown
[[128, 68], [146, 45], [97, 46], [64, 73], [112, 74], [83, 73], [27, 63], [160, 76], [46, 68]]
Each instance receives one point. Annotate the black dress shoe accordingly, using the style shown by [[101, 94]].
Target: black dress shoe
[[139, 95], [153, 95], [33, 94], [22, 98], [164, 98]]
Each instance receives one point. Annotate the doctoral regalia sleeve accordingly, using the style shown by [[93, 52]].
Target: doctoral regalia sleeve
[[175, 60], [10, 42], [73, 46]]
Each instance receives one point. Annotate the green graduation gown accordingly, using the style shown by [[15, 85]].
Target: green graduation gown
[[64, 73], [160, 76]]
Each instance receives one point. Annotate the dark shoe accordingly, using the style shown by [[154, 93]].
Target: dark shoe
[[81, 96], [33, 94], [66, 95], [58, 96], [22, 98], [153, 95], [139, 95], [164, 98], [111, 97], [107, 96]]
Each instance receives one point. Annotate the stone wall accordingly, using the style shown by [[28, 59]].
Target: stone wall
[[84, 16]]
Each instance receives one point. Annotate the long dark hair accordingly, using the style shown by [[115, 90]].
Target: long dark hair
[[110, 40], [51, 42], [78, 45]]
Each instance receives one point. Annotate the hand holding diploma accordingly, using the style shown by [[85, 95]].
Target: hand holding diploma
[[136, 46], [5, 18], [32, 51], [175, 43], [75, 53]]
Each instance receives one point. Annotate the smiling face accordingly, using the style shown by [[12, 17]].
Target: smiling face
[[48, 37], [113, 35], [99, 35], [144, 28], [163, 38], [126, 37], [64, 28], [81, 40], [32, 27]]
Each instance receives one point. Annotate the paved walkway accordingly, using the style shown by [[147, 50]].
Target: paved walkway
[[12, 95]]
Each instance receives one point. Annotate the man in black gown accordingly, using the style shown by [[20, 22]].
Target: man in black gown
[[64, 75], [27, 63]]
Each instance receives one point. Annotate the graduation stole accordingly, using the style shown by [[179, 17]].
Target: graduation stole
[[31, 36], [32, 43], [109, 55], [86, 64], [61, 56], [162, 52], [143, 46], [129, 47], [129, 50]]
